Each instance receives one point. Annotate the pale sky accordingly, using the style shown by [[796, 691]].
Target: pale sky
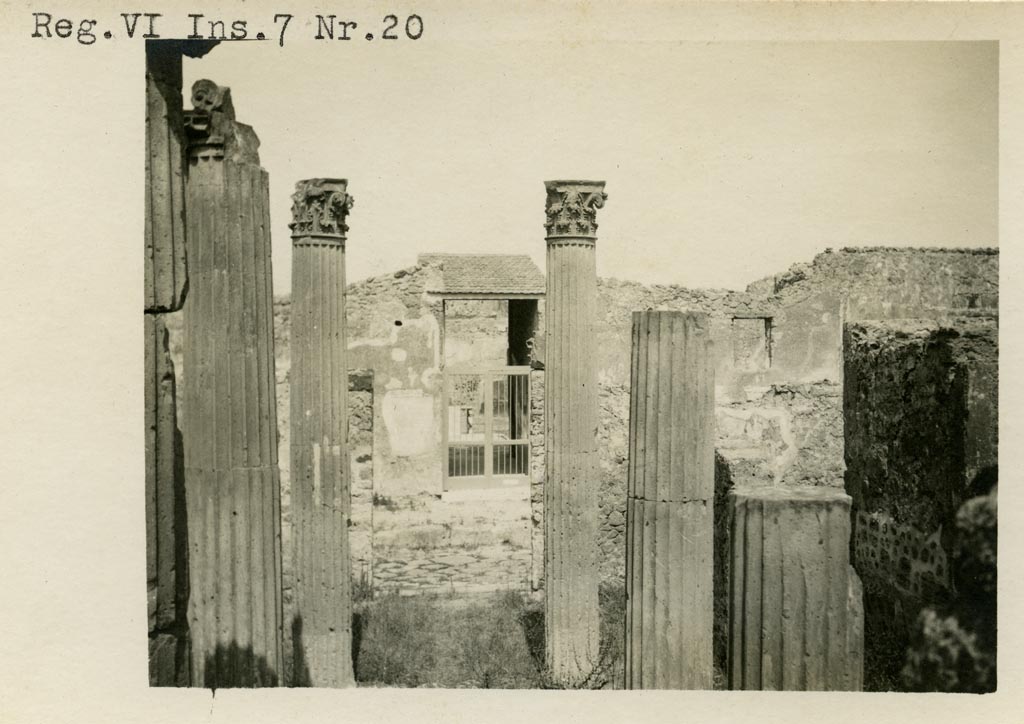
[[724, 162]]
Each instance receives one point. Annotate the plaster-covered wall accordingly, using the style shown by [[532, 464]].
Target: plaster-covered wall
[[475, 332], [394, 329]]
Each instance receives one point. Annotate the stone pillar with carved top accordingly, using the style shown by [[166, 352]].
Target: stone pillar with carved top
[[321, 506], [571, 613], [232, 483]]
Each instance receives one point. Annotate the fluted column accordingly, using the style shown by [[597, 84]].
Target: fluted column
[[571, 629], [669, 503], [230, 415], [796, 619], [321, 505]]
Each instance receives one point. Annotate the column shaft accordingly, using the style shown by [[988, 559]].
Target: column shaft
[[572, 632], [230, 412], [796, 620], [671, 484], [321, 502]]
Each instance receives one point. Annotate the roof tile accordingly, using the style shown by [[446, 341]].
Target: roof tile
[[486, 273]]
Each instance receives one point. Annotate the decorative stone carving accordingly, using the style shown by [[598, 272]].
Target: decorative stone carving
[[321, 499], [212, 109], [572, 472], [319, 209], [229, 420], [208, 97], [572, 208], [213, 133]]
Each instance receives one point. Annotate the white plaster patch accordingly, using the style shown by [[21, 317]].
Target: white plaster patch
[[408, 421], [755, 430], [399, 355]]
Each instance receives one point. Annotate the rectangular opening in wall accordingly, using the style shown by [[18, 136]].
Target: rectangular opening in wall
[[522, 330], [752, 343], [487, 428]]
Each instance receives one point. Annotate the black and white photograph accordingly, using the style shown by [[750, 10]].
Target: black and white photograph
[[571, 347]]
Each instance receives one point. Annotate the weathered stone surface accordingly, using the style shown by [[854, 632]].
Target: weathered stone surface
[[168, 660], [670, 496], [166, 273], [571, 417], [426, 544], [166, 552], [795, 617], [320, 496], [230, 416], [537, 458], [360, 455], [921, 430], [780, 425]]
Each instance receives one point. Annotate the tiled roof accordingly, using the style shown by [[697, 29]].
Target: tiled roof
[[486, 273]]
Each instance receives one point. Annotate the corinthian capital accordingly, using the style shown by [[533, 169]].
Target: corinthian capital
[[572, 208], [212, 112], [319, 209]]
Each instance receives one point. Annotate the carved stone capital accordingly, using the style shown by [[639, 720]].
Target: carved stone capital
[[212, 130], [210, 97], [319, 209], [572, 209], [211, 107]]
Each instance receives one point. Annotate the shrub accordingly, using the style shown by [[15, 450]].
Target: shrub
[[954, 646]]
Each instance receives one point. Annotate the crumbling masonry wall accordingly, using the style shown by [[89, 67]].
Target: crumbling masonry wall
[[778, 411], [921, 408], [395, 331]]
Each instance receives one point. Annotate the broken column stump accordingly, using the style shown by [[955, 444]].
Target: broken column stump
[[321, 503], [571, 632], [796, 618], [669, 504], [229, 421]]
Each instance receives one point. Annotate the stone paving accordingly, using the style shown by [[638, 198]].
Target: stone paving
[[425, 545], [490, 568]]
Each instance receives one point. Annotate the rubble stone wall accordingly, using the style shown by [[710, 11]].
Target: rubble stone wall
[[779, 399], [921, 409]]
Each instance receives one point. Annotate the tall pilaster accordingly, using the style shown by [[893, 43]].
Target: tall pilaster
[[321, 503], [166, 554], [571, 612], [229, 425], [670, 496], [165, 287], [796, 618], [165, 269]]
